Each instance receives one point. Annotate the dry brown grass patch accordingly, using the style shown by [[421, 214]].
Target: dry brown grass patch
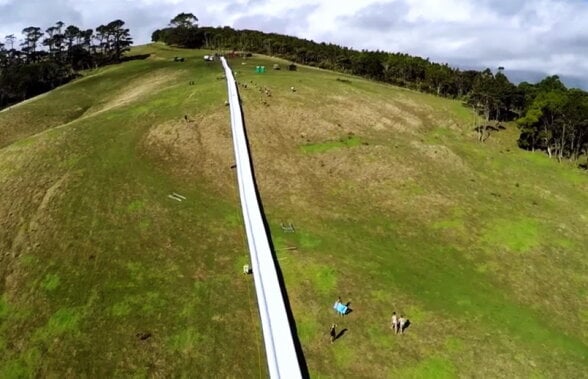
[[136, 90], [195, 148], [440, 154]]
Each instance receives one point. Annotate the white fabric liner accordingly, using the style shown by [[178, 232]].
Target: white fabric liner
[[279, 345]]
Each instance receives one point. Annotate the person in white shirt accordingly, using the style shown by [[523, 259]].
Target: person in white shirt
[[394, 322], [401, 324]]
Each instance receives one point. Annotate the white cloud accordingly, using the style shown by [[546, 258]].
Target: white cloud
[[440, 11], [544, 35]]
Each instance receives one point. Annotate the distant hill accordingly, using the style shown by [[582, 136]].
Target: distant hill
[[518, 76], [562, 134]]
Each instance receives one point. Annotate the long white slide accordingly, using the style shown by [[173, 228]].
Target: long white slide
[[277, 333]]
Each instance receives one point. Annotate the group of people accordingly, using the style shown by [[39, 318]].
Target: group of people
[[342, 310], [398, 323]]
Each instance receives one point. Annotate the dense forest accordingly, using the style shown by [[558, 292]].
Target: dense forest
[[551, 117], [43, 61]]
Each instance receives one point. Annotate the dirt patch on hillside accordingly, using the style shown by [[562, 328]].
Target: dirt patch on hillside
[[440, 154], [134, 91], [292, 177], [194, 148], [336, 118], [392, 114], [369, 114], [368, 166], [385, 168]]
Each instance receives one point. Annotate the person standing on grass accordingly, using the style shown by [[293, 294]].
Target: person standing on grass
[[394, 322], [401, 323], [333, 333]]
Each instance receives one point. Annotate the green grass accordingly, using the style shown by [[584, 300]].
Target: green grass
[[51, 282], [516, 235], [431, 368], [330, 145], [481, 246], [106, 255]]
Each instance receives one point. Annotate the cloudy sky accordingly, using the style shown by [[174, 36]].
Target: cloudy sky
[[541, 36]]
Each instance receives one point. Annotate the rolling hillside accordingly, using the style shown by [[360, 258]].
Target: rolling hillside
[[396, 207]]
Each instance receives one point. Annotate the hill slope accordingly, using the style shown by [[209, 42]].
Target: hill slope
[[396, 207], [102, 273]]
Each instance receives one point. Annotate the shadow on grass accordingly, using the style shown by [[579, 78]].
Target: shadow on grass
[[406, 325], [340, 334], [292, 322], [137, 57], [347, 311]]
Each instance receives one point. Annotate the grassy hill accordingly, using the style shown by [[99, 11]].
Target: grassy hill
[[396, 208]]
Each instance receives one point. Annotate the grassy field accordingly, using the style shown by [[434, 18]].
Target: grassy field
[[395, 204], [102, 274]]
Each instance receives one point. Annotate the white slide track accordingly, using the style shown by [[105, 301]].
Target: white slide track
[[280, 350]]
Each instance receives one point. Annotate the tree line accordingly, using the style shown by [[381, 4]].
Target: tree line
[[551, 117], [45, 60]]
